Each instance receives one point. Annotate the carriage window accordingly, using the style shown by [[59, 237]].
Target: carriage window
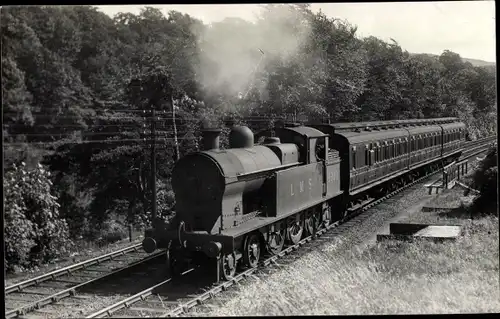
[[354, 157], [367, 154]]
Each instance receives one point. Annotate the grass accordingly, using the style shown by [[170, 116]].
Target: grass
[[386, 278]]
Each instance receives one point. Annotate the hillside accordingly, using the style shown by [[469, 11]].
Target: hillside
[[474, 62]]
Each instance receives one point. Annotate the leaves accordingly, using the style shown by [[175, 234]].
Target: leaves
[[33, 230]]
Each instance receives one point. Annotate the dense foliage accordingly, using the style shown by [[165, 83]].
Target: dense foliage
[[485, 180], [34, 232], [79, 87]]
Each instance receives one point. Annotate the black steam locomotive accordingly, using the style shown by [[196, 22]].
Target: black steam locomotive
[[276, 187]]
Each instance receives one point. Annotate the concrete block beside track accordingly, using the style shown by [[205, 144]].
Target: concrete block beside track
[[410, 232]]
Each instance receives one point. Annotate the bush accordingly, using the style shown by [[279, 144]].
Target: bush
[[34, 233], [164, 208], [112, 231], [485, 181]]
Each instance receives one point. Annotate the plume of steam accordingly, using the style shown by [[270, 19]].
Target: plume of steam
[[234, 52]]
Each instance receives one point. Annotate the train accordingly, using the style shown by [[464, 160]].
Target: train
[[272, 188]]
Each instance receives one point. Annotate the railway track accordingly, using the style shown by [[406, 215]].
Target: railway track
[[477, 146], [34, 294], [148, 302]]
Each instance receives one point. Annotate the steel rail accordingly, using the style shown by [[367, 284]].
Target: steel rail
[[68, 270], [108, 311], [72, 290]]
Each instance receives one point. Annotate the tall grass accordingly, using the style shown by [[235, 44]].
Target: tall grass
[[388, 278]]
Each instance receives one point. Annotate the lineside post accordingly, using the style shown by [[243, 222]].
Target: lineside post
[[153, 164], [218, 260], [445, 179]]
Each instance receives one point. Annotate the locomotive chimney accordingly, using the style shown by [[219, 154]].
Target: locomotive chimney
[[210, 138]]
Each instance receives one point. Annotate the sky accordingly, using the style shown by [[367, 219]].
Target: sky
[[464, 27]]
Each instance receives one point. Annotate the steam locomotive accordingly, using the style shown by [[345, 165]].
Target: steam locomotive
[[275, 187]]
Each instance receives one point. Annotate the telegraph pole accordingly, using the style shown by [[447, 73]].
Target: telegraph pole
[[153, 164]]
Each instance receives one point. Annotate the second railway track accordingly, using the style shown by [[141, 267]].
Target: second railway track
[[33, 294]]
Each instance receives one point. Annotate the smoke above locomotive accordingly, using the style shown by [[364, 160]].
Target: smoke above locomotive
[[233, 51]]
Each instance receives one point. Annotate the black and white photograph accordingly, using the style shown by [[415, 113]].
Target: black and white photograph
[[250, 159]]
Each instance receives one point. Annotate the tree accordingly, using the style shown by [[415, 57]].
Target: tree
[[383, 97]]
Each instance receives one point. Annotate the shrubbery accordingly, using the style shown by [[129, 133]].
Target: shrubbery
[[164, 209], [34, 233], [485, 181], [111, 231]]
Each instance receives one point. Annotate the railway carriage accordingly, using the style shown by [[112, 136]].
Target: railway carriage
[[422, 145], [379, 156], [453, 138], [282, 184]]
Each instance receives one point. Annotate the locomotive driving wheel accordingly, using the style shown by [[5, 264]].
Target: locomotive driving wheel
[[294, 231], [276, 239], [327, 216], [251, 253], [312, 222], [228, 266]]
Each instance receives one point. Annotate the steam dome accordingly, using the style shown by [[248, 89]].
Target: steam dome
[[240, 137]]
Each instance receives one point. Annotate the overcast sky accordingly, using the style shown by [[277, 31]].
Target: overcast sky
[[464, 27]]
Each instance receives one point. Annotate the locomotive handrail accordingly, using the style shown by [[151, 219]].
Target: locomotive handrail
[[267, 169]]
